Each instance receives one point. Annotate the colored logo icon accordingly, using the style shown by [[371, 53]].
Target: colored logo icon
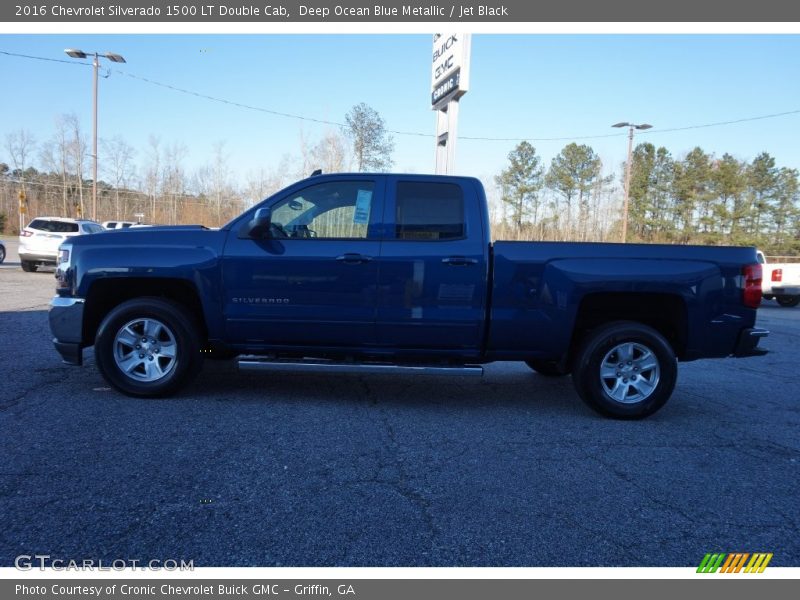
[[735, 562]]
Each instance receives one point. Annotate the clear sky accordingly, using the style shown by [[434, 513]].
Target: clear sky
[[522, 86]]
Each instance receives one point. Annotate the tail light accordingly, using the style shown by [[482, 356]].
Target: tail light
[[777, 275], [751, 295], [25, 233]]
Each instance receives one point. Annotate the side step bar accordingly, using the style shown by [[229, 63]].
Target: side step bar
[[310, 366]]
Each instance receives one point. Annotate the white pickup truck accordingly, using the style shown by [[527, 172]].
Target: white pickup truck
[[780, 280]]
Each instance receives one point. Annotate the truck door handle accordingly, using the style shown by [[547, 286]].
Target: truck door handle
[[353, 259], [459, 261]]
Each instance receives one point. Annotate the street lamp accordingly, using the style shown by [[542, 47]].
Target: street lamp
[[74, 53], [631, 127]]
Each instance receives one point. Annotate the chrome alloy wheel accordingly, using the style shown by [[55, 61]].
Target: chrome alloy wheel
[[629, 372], [145, 349]]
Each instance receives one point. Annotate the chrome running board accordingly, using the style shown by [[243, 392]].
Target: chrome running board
[[254, 363]]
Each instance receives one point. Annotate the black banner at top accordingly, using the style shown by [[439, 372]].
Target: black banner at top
[[396, 11]]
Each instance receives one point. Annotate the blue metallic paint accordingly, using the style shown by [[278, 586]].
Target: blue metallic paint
[[406, 301]]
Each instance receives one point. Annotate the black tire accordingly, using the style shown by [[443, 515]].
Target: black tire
[[29, 266], [619, 341], [153, 373], [2, 254], [788, 301], [548, 368]]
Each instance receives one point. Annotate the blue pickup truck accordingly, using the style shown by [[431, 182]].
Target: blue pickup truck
[[397, 273]]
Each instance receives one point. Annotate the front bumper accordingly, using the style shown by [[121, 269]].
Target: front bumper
[[748, 342], [66, 324]]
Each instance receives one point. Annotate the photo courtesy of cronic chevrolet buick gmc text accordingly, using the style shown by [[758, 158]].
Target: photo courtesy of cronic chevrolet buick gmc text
[[396, 273]]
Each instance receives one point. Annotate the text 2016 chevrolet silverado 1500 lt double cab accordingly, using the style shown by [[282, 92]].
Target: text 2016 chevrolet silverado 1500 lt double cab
[[388, 273]]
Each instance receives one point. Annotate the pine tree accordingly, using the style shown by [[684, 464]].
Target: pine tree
[[521, 182]]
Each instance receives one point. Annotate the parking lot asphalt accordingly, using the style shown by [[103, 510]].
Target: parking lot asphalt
[[322, 470]]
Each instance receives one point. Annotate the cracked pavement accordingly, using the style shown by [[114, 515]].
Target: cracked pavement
[[323, 470]]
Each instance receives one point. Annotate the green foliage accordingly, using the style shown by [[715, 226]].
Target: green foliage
[[372, 145], [762, 180], [692, 193], [574, 174], [521, 183], [698, 198], [651, 209], [573, 171], [729, 183]]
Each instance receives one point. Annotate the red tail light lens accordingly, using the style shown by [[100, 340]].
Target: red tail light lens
[[751, 296], [777, 274]]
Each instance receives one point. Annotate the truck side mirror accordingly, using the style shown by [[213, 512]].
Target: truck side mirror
[[257, 227]]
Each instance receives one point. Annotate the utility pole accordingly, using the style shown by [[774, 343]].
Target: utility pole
[[631, 127], [73, 53]]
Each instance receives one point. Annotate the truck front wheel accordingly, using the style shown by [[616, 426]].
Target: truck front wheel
[[148, 347], [625, 370]]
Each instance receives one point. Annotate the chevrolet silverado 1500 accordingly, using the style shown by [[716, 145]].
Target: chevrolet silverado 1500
[[397, 273]]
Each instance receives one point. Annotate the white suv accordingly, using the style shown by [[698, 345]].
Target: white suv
[[39, 241]]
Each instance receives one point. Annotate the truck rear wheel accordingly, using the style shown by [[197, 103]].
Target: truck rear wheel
[[625, 370], [788, 301], [28, 266], [147, 347]]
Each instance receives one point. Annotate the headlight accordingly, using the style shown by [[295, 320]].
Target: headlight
[[63, 273]]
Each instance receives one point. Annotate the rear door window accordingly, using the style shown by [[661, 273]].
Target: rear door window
[[429, 211]]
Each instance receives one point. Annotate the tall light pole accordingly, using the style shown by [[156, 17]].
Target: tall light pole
[[74, 53], [631, 127]]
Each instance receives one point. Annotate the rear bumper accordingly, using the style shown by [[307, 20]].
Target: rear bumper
[[39, 257], [748, 342], [66, 324], [789, 290]]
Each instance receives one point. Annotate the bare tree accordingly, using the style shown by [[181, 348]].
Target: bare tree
[[120, 168], [372, 144], [220, 175], [174, 184], [330, 153], [77, 151], [56, 156], [20, 145], [153, 174]]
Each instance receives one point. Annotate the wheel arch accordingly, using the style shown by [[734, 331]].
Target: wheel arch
[[107, 293], [666, 313]]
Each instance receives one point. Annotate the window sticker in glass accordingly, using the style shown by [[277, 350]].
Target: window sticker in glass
[[363, 203]]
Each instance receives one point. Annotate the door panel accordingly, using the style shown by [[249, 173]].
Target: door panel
[[433, 267], [314, 282]]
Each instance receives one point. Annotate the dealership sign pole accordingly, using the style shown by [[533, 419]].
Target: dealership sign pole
[[449, 81]]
